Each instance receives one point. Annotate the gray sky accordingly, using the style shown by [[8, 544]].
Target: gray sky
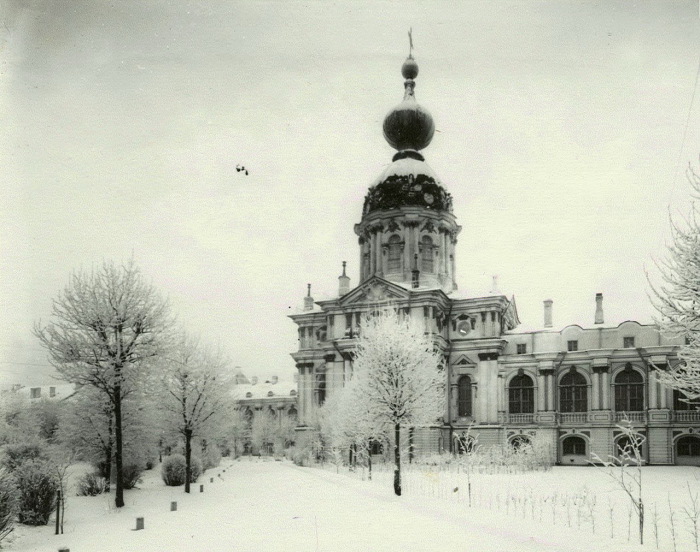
[[559, 133]]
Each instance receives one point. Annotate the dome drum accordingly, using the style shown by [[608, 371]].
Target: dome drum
[[407, 190]]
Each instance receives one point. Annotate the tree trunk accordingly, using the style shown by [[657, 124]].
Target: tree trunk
[[119, 499], [188, 459], [109, 451], [397, 459], [369, 464]]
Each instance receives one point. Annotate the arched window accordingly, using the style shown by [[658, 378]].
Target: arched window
[[688, 445], [519, 442], [271, 412], [464, 396], [521, 396], [375, 447], [573, 393], [395, 254], [681, 402], [573, 445], [320, 390], [629, 390], [292, 413], [465, 444], [623, 445], [427, 254]]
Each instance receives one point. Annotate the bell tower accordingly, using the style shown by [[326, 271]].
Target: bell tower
[[408, 232]]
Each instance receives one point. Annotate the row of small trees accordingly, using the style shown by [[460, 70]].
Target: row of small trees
[[140, 379]]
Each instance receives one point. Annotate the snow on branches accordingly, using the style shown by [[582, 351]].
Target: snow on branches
[[677, 298], [397, 382]]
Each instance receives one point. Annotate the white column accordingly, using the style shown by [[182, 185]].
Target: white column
[[444, 253], [501, 393], [550, 391], [653, 400], [606, 391], [540, 392], [595, 388], [407, 251], [664, 396]]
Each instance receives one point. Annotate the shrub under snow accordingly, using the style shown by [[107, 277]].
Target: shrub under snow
[[37, 485], [8, 503], [91, 484], [173, 470], [131, 475], [16, 454]]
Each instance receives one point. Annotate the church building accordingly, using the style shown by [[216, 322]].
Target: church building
[[570, 385]]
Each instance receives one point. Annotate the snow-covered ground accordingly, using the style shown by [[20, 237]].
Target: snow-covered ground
[[260, 505]]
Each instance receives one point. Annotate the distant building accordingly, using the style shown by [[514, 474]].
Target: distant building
[[52, 392], [570, 384], [256, 397]]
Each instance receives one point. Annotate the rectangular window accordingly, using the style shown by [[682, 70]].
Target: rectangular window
[[348, 325], [572, 346], [628, 342], [521, 348], [35, 393], [52, 391], [320, 390]]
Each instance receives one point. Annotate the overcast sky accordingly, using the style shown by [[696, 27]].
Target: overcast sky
[[560, 134]]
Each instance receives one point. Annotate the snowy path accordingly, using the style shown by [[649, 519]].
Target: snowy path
[[276, 506]]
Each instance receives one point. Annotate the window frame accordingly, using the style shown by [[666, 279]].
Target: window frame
[[464, 396], [573, 397], [521, 397], [629, 394]]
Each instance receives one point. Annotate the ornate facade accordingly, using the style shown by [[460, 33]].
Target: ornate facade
[[571, 385]]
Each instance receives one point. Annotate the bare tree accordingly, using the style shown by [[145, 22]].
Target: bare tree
[[677, 298], [625, 468], [397, 377], [107, 325], [198, 386]]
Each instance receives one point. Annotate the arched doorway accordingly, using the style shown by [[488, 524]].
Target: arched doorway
[[688, 450], [574, 450]]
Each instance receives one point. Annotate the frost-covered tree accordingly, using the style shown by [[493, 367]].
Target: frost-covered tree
[[198, 383], [677, 297], [87, 429], [397, 379], [349, 425], [108, 324], [264, 430]]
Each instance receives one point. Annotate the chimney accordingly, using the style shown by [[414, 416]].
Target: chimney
[[599, 308], [308, 300], [548, 313], [274, 380], [494, 285], [343, 283]]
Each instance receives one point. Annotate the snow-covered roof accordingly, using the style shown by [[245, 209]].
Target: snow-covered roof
[[51, 391], [265, 390], [405, 167]]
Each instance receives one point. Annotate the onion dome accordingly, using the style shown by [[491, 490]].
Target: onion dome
[[409, 126]]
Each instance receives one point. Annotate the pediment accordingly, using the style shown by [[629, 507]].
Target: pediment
[[373, 291], [463, 360]]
